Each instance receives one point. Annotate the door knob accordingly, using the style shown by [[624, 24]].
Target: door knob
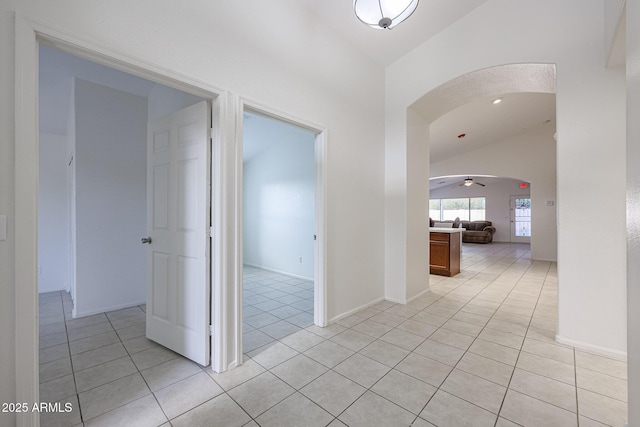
[[146, 240]]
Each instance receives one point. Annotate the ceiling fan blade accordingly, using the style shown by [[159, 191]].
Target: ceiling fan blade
[[479, 183]]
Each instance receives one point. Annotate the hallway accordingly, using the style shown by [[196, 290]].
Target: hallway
[[476, 350]]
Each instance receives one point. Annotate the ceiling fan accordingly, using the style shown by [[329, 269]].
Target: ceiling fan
[[468, 182]]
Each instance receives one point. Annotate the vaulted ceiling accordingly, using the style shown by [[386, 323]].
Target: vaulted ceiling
[[387, 46], [481, 121]]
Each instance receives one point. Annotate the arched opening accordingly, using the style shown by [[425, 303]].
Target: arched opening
[[469, 134], [528, 154]]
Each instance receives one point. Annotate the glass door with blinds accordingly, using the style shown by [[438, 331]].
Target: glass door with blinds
[[520, 219]]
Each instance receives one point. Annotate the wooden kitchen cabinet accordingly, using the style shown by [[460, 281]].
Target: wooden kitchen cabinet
[[444, 252]]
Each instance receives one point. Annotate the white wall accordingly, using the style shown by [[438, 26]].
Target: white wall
[[612, 19], [529, 156], [71, 189], [53, 215], [7, 203], [110, 156], [277, 66], [163, 100], [279, 198], [591, 135], [285, 67], [633, 207], [497, 196], [417, 275]]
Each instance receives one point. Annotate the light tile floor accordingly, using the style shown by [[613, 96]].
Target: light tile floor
[[275, 306], [476, 350]]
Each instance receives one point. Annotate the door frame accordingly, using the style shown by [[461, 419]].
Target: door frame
[[28, 36], [512, 220], [320, 150]]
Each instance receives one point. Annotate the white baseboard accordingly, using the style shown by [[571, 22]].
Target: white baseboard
[[396, 301], [418, 296], [231, 366], [603, 351], [407, 301], [296, 276], [355, 310], [77, 315]]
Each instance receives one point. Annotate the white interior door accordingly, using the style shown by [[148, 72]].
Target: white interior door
[[520, 219], [178, 285]]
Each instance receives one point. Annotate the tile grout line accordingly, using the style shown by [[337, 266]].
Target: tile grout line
[[575, 373], [522, 345], [410, 352], [448, 291], [467, 350], [109, 382], [73, 371], [138, 371]]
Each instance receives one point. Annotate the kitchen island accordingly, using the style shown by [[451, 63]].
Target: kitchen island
[[444, 251]]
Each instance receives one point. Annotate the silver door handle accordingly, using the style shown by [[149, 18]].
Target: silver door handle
[[145, 240]]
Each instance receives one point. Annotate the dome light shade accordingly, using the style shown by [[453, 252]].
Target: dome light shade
[[384, 13]]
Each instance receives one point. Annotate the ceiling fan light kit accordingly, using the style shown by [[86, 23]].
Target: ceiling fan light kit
[[469, 182], [383, 14]]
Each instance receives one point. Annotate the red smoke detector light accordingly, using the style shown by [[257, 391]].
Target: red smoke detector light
[[523, 185]]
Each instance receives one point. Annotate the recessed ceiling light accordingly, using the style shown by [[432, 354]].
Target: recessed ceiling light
[[497, 101]]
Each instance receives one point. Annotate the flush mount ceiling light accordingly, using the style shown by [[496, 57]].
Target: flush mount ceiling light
[[497, 101], [384, 13]]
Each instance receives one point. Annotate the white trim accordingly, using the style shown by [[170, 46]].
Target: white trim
[[107, 309], [120, 60], [320, 148], [28, 35], [410, 300], [284, 273], [26, 220], [235, 174], [219, 218], [357, 309], [397, 301], [602, 351], [320, 309]]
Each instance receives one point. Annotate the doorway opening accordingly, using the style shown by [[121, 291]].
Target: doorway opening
[[520, 207], [279, 229], [98, 196]]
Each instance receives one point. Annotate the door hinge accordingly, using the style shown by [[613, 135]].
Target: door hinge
[[210, 330], [210, 231], [210, 133]]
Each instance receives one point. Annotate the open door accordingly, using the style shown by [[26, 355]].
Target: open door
[[178, 284]]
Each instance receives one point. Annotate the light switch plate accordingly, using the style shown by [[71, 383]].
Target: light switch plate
[[3, 227]]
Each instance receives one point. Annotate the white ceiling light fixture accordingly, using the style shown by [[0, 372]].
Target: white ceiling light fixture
[[497, 101], [384, 14]]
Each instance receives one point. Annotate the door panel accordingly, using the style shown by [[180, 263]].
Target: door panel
[[520, 219], [178, 286]]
